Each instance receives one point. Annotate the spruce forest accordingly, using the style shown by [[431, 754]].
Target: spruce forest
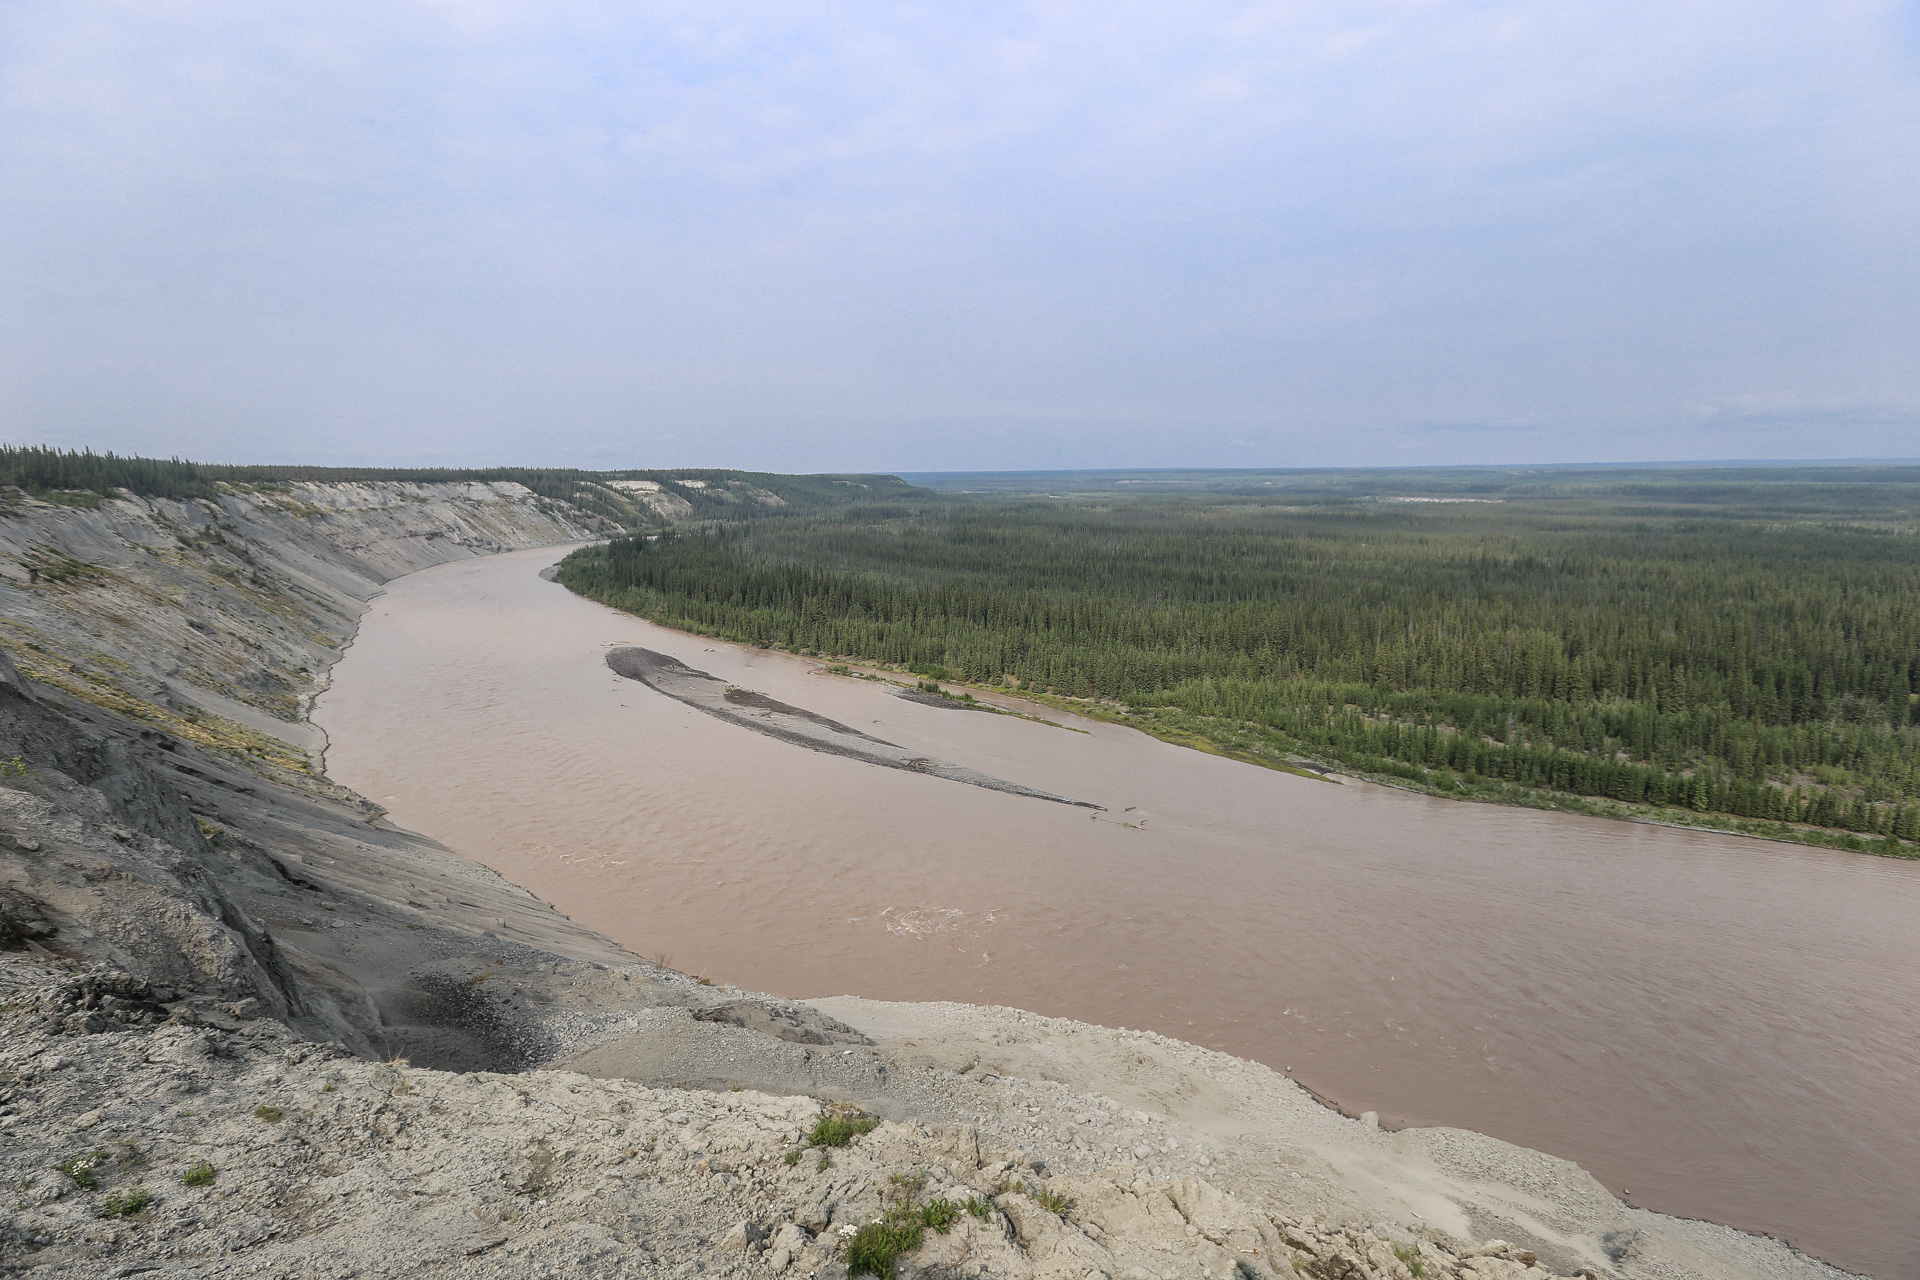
[[1736, 649]]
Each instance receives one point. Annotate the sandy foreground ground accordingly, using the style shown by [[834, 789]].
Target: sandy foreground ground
[[148, 1136]]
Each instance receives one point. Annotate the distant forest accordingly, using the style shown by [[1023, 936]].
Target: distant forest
[[1740, 648], [84, 477]]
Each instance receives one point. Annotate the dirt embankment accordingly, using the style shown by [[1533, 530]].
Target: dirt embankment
[[215, 961]]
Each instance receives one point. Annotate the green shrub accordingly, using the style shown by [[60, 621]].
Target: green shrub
[[792, 1158], [200, 1174], [979, 1208], [124, 1204], [270, 1114]]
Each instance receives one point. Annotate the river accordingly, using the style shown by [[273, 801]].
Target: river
[[1717, 1027]]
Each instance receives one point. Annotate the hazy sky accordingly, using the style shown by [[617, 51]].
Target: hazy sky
[[928, 236]]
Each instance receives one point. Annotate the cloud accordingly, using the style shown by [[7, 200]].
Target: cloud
[[812, 235]]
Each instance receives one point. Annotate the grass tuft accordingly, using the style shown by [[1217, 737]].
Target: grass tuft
[[199, 1174], [124, 1204], [1047, 1198], [270, 1114], [940, 1215], [876, 1248], [840, 1129]]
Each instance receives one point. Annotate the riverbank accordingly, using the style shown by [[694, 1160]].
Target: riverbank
[[1172, 622], [1246, 744]]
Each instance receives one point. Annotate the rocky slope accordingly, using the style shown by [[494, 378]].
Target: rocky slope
[[251, 1029], [149, 1134]]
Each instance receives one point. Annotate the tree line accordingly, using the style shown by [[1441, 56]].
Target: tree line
[[70, 474]]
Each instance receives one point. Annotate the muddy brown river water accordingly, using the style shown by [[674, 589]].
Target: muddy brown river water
[[1716, 1027]]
